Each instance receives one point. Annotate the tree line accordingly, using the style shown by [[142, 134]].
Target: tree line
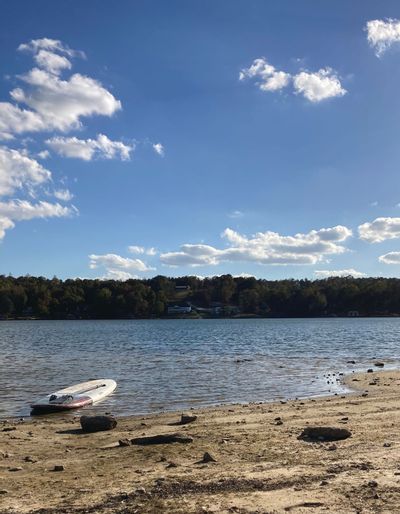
[[39, 297]]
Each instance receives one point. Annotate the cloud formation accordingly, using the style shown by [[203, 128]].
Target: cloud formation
[[48, 101], [88, 149], [159, 149], [315, 87], [142, 250], [380, 230], [117, 267], [45, 101], [351, 272], [22, 210], [271, 78], [390, 258], [318, 86], [19, 171], [382, 34], [263, 248]]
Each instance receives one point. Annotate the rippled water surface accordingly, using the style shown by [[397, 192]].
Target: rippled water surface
[[176, 364]]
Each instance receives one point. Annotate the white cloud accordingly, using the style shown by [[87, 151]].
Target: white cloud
[[87, 149], [263, 248], [44, 154], [116, 262], [46, 53], [236, 214], [60, 104], [159, 149], [380, 230], [382, 34], [22, 210], [270, 78], [45, 101], [390, 258], [318, 86], [315, 87], [64, 195], [142, 250], [339, 273], [19, 171], [115, 274]]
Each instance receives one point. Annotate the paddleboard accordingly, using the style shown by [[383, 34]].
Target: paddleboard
[[75, 397]]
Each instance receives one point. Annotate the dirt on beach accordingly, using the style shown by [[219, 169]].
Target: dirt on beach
[[47, 465]]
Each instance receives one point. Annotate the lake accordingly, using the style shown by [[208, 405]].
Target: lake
[[177, 364]]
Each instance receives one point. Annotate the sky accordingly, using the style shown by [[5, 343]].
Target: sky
[[143, 138]]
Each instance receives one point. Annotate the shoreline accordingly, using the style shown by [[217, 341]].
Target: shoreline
[[260, 465]]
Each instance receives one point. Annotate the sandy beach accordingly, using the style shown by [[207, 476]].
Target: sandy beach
[[260, 464]]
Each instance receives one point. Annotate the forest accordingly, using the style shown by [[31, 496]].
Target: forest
[[224, 296]]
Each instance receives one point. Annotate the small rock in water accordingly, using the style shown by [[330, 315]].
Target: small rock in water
[[379, 364], [351, 362], [370, 370]]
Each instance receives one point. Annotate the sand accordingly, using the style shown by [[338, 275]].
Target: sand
[[261, 465]]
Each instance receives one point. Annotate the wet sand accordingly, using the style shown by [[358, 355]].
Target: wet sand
[[261, 465]]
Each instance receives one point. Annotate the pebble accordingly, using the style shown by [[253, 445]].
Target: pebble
[[373, 483], [17, 468], [58, 467], [387, 445], [3, 491], [28, 458]]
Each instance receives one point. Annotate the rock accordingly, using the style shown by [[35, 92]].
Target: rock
[[387, 445], [58, 467], [97, 423], [9, 429], [373, 483], [171, 465], [124, 442], [379, 364], [370, 370], [28, 458], [162, 439], [332, 448], [187, 418], [207, 458], [3, 491], [279, 422], [351, 362], [17, 468], [324, 434], [364, 395], [324, 482]]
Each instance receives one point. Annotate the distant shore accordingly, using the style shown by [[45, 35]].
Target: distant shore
[[260, 464]]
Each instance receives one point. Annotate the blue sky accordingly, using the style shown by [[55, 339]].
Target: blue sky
[[151, 137]]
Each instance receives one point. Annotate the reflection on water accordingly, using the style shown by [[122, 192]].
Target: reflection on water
[[176, 364]]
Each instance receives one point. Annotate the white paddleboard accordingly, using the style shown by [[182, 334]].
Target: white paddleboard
[[76, 396]]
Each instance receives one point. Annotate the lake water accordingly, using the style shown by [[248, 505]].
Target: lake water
[[177, 364]]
